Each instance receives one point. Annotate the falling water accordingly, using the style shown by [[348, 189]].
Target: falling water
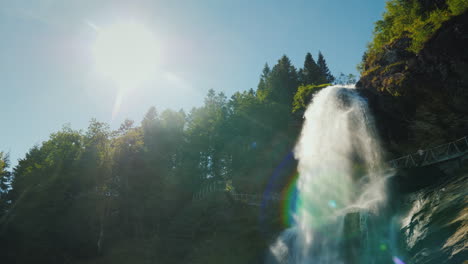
[[340, 183]]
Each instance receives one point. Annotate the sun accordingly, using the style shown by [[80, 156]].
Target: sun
[[126, 53]]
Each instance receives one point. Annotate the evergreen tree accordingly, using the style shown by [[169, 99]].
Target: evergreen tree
[[311, 74], [281, 83], [261, 88], [345, 79], [89, 191], [5, 178], [326, 74], [150, 119], [266, 71], [300, 76]]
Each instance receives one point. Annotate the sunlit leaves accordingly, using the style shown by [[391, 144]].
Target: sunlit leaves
[[408, 18]]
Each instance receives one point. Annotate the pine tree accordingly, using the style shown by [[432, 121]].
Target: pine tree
[[322, 64], [261, 88], [300, 76], [281, 83], [311, 74], [150, 119], [5, 179]]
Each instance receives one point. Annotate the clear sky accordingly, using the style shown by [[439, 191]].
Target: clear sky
[[48, 74]]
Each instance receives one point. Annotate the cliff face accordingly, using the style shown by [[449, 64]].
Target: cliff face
[[418, 101], [421, 100], [434, 223]]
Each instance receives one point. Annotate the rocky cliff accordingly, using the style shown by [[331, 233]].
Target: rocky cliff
[[420, 100]]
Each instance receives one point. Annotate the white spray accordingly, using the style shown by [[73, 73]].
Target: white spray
[[340, 173]]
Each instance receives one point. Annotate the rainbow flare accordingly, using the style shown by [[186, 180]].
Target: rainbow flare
[[289, 201], [396, 260]]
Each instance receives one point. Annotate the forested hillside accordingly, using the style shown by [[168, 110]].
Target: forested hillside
[[80, 193], [132, 195]]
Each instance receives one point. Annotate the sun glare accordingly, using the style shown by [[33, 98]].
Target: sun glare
[[126, 53]]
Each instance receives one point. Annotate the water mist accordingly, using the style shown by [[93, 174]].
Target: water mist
[[340, 183]]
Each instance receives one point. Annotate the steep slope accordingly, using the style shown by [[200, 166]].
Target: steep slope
[[420, 100]]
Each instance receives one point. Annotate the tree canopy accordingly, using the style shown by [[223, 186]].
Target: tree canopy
[[89, 189], [416, 20]]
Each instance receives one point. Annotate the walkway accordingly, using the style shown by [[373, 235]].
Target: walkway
[[449, 151], [250, 199], [445, 152]]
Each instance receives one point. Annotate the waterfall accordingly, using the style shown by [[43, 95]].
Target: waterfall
[[340, 183]]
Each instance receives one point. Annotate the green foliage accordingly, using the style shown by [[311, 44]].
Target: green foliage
[[88, 192], [457, 7], [262, 85], [304, 95], [54, 185], [411, 19], [5, 178], [325, 72], [315, 73], [311, 73], [4, 173], [279, 85], [344, 79]]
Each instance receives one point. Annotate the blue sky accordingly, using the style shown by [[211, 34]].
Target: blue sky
[[47, 77]]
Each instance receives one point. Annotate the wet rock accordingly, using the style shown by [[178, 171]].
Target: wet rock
[[436, 223]]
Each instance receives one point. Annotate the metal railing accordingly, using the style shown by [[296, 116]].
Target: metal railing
[[215, 186], [433, 155], [221, 186], [256, 199], [421, 158]]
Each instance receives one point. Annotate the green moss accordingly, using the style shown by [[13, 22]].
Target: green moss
[[388, 68], [457, 7], [406, 18], [423, 29], [304, 95], [393, 84], [371, 70]]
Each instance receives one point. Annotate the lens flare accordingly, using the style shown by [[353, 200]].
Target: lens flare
[[396, 260], [289, 202], [383, 247]]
